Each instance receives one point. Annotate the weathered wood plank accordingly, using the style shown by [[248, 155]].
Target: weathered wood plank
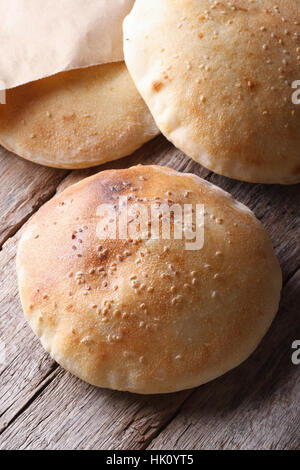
[[24, 187], [256, 406]]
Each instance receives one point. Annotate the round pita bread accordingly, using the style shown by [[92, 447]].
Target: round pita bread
[[217, 77], [76, 119], [143, 313]]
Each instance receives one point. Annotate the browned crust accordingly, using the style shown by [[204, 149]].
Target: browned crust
[[225, 71]]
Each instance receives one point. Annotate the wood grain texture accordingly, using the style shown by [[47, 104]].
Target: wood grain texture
[[24, 187], [277, 207], [44, 407]]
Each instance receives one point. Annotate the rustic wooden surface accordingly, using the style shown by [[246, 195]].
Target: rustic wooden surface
[[256, 406]]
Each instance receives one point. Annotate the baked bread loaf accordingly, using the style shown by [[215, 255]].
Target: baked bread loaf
[[217, 77], [141, 314], [76, 119]]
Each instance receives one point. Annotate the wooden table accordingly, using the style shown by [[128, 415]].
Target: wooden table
[[256, 406]]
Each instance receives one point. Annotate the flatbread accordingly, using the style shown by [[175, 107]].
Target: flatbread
[[76, 119]]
